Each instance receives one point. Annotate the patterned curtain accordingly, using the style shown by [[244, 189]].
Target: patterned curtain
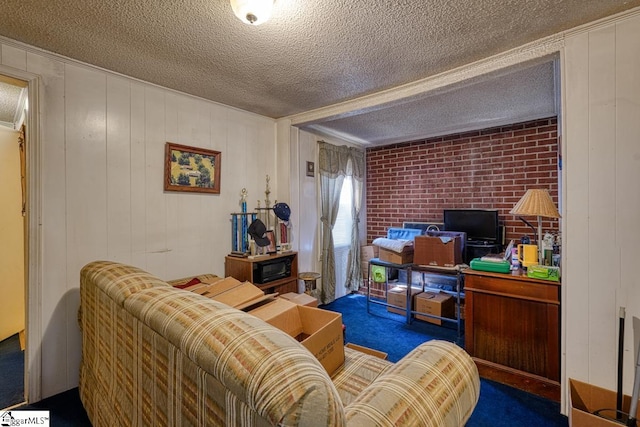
[[354, 275], [335, 163]]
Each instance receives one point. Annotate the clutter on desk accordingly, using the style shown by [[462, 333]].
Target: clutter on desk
[[544, 272], [528, 255], [493, 258], [495, 265]]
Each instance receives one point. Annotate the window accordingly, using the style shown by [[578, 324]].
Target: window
[[344, 222]]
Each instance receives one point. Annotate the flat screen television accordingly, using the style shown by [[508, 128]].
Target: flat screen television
[[479, 224]]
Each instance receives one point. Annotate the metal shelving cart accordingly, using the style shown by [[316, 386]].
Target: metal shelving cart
[[449, 280]]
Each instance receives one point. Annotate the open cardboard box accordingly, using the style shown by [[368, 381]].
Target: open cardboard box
[[431, 250], [232, 292], [404, 257], [586, 399], [300, 299], [367, 350], [320, 331]]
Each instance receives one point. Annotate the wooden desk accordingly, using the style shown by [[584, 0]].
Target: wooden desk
[[512, 330]]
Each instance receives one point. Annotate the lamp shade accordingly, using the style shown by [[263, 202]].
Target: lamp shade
[[253, 12], [536, 202]]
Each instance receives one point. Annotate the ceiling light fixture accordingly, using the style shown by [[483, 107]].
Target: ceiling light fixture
[[254, 12]]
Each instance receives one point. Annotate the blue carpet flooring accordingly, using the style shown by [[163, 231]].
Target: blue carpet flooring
[[499, 405], [65, 410], [11, 372]]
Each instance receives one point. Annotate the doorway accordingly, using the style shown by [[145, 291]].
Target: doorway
[[13, 240]]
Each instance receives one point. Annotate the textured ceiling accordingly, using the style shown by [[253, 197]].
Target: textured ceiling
[[311, 54], [9, 102], [13, 97], [510, 96]]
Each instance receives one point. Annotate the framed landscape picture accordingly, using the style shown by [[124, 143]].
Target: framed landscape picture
[[191, 169]]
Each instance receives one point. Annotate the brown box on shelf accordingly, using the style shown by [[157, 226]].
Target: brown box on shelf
[[320, 331], [300, 299], [367, 253], [438, 304], [585, 399], [364, 268], [404, 257], [367, 350], [398, 296], [431, 250]]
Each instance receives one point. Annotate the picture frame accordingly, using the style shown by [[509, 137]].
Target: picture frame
[[191, 169], [311, 169], [271, 235]]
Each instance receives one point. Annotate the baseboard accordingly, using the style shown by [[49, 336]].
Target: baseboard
[[534, 384]]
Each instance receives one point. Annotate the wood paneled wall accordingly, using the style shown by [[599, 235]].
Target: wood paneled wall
[[101, 144], [601, 113]]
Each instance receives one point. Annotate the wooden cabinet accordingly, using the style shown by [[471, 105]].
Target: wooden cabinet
[[245, 269], [513, 330]]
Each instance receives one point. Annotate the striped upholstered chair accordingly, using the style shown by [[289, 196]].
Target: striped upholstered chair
[[157, 355]]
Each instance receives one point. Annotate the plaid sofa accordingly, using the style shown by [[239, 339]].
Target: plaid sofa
[[157, 355]]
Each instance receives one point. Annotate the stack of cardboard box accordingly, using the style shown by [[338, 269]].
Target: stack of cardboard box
[[439, 304]]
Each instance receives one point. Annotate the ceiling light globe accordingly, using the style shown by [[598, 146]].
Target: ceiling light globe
[[253, 12]]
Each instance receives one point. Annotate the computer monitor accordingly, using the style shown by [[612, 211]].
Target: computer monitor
[[480, 224]]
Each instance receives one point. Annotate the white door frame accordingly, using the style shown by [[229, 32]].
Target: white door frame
[[33, 268]]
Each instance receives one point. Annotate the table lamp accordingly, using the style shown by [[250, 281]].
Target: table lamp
[[537, 202]]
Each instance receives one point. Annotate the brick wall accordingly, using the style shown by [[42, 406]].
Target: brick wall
[[487, 169]]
